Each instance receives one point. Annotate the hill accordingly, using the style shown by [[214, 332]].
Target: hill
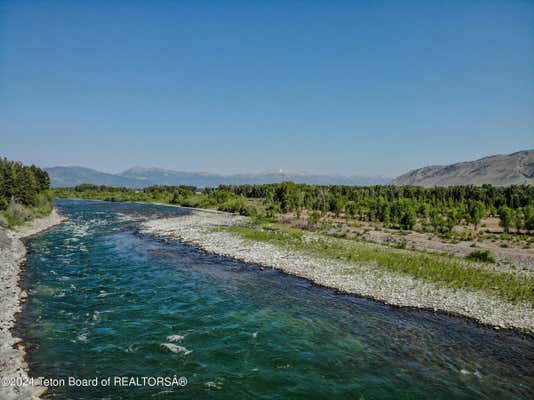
[[499, 170], [72, 176]]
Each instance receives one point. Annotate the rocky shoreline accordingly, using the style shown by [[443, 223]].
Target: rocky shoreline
[[13, 367], [199, 229]]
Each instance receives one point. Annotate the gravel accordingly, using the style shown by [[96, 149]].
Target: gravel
[[199, 229], [13, 367]]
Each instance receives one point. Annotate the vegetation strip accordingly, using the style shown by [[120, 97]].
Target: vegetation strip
[[439, 269]]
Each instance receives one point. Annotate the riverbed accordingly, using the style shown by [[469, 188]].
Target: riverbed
[[105, 301]]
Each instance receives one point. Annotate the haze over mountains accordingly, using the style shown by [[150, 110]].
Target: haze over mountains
[[138, 177], [498, 170]]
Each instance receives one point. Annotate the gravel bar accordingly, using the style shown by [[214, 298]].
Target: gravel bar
[[199, 230], [13, 367]]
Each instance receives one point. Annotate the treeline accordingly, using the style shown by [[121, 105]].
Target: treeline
[[440, 208], [437, 209], [493, 197], [23, 192]]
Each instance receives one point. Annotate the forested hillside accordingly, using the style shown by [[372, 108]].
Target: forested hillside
[[24, 192]]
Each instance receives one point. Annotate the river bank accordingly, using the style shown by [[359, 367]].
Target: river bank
[[202, 230], [13, 367]]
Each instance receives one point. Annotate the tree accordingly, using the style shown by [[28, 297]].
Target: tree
[[408, 218], [25, 187], [476, 212], [287, 196], [350, 208], [42, 178], [314, 218], [336, 205], [519, 220], [506, 215], [386, 218], [438, 222], [528, 213]]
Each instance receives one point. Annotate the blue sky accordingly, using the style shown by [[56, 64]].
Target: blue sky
[[355, 87]]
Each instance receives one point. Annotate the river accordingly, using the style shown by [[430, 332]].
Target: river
[[106, 301]]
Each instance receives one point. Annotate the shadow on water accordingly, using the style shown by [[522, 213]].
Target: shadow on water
[[105, 301]]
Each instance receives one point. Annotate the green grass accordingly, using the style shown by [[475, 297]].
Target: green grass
[[444, 270]]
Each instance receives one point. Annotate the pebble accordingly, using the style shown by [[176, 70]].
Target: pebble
[[12, 255]]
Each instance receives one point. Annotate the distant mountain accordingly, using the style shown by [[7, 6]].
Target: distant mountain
[[499, 170], [72, 176], [141, 177], [202, 179]]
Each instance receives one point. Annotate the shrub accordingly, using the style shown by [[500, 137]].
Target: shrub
[[314, 218], [235, 205], [3, 203], [401, 245], [16, 214], [481, 256]]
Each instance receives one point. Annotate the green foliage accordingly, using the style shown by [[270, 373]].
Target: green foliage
[[506, 214], [21, 183], [350, 208], [405, 207], [481, 256], [401, 245], [528, 213], [476, 211], [408, 217], [314, 218], [23, 193], [186, 196], [287, 196]]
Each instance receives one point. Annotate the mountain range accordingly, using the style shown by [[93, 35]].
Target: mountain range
[[138, 177], [498, 170]]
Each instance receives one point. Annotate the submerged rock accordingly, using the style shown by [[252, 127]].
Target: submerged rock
[[176, 348]]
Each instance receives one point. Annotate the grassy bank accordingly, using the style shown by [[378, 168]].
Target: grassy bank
[[24, 193], [17, 214], [443, 270]]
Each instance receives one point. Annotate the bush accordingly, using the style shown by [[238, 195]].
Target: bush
[[401, 245], [481, 256], [314, 218], [16, 214], [3, 203], [235, 205]]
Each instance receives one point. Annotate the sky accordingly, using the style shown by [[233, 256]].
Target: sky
[[346, 87]]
